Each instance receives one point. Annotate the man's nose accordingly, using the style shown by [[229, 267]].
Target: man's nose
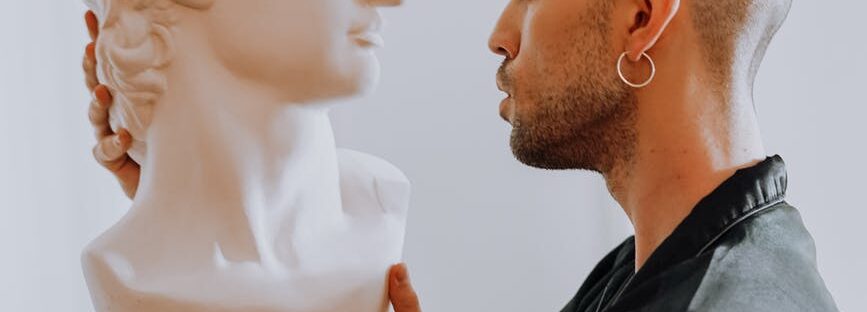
[[506, 38], [382, 3]]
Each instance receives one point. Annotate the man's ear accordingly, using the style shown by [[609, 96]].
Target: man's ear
[[651, 20]]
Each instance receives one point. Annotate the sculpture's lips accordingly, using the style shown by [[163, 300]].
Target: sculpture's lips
[[368, 39], [365, 31]]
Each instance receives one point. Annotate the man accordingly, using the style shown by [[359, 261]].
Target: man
[[656, 95]]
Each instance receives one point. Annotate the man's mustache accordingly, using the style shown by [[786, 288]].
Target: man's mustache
[[504, 81]]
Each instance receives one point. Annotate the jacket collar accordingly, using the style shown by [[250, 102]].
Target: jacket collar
[[748, 192]]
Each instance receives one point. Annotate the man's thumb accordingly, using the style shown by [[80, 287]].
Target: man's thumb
[[400, 292]]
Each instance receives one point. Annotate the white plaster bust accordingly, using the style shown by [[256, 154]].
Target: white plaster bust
[[245, 203]]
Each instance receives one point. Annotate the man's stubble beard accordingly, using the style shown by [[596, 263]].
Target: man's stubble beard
[[582, 116]]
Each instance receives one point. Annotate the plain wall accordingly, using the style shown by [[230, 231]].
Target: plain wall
[[485, 233], [53, 197], [811, 103]]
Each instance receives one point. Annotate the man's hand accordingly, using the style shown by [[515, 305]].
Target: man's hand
[[110, 150], [403, 298]]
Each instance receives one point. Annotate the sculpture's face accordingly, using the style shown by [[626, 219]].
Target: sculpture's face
[[292, 50], [302, 50]]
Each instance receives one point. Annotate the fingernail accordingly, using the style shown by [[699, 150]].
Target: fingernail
[[91, 50], [402, 275], [117, 141], [101, 94]]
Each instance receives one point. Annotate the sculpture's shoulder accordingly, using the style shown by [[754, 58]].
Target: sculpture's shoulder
[[354, 164], [97, 254], [106, 267], [369, 181]]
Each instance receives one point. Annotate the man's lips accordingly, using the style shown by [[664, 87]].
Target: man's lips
[[502, 85], [505, 104], [505, 109]]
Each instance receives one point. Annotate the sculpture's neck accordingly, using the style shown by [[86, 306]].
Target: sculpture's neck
[[239, 169]]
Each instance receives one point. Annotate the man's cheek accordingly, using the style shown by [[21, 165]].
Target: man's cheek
[[520, 82]]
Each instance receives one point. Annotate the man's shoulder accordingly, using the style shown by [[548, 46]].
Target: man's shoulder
[[767, 263], [620, 256], [617, 259]]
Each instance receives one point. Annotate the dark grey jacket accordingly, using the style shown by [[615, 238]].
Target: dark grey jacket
[[742, 248]]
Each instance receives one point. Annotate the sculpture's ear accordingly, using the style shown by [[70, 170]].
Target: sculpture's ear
[[164, 48], [133, 47]]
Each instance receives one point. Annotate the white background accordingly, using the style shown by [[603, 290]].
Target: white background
[[485, 233]]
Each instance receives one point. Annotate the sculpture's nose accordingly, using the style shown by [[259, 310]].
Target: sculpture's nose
[[382, 3]]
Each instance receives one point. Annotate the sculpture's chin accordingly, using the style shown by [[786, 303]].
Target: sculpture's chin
[[369, 78], [368, 86]]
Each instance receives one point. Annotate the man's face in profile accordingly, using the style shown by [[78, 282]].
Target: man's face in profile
[[566, 104]]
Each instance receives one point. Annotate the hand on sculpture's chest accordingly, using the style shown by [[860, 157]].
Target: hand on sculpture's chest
[[324, 267]]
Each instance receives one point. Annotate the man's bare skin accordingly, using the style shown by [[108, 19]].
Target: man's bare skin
[[111, 152]]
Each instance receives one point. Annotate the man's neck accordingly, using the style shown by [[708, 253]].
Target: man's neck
[[690, 139]]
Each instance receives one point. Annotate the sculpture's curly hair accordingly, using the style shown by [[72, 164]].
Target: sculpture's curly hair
[[132, 52]]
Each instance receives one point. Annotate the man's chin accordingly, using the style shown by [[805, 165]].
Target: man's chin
[[551, 153], [543, 155]]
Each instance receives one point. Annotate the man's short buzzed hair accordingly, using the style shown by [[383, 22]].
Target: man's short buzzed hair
[[736, 33]]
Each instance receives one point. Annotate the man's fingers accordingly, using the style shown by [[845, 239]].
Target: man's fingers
[[101, 94], [128, 174], [98, 112], [89, 66], [111, 153], [400, 292], [90, 51], [111, 150], [98, 115], [92, 25]]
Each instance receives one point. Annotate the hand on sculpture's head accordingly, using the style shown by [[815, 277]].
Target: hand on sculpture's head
[[135, 45], [291, 51]]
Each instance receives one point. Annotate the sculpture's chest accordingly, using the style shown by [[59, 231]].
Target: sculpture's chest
[[362, 291], [327, 271]]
